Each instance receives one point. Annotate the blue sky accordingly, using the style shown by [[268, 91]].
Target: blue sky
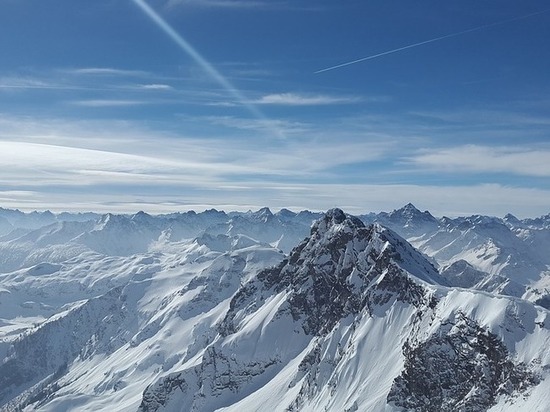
[[216, 103]]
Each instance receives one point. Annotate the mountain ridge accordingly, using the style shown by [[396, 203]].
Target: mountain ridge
[[224, 321]]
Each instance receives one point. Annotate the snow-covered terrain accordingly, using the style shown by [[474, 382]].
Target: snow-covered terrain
[[258, 311], [506, 256]]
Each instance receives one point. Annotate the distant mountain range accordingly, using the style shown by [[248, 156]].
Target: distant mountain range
[[285, 311]]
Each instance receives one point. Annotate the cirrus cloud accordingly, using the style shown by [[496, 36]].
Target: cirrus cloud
[[477, 158], [294, 99]]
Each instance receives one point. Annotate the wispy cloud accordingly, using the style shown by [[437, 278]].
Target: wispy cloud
[[317, 158], [155, 86], [249, 70], [14, 83], [294, 99], [105, 71], [475, 159], [20, 82], [109, 103], [486, 117], [43, 151], [120, 165], [52, 80], [246, 4], [221, 104], [287, 127], [32, 164]]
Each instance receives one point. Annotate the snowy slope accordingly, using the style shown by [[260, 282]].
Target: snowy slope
[[505, 256], [133, 316], [203, 312]]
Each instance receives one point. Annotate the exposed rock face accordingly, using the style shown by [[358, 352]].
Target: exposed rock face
[[218, 373], [156, 396], [408, 221], [462, 367]]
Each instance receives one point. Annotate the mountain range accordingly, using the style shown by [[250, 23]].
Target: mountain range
[[256, 311]]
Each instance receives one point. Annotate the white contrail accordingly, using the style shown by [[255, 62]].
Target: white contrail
[[204, 64], [410, 46]]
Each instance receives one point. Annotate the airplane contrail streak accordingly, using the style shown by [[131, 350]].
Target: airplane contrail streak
[[410, 46], [204, 64]]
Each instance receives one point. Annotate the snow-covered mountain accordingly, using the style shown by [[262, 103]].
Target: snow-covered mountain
[[506, 256], [60, 237], [356, 319], [205, 312], [84, 329]]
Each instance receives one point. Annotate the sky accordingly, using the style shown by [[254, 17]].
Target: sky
[[173, 105]]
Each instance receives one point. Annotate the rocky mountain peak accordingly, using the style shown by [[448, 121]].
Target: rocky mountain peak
[[410, 207], [343, 267], [336, 220], [285, 214], [410, 212], [262, 215], [110, 221], [408, 221], [510, 218], [335, 215]]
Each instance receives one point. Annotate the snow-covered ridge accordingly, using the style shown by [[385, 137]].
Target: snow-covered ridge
[[506, 256], [27, 239], [203, 312], [509, 256]]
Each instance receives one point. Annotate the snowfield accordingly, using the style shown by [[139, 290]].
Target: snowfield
[[258, 311]]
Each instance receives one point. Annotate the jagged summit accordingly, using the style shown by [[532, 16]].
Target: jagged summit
[[408, 220], [111, 220], [262, 215], [264, 211], [214, 212], [511, 217], [336, 215], [409, 212], [341, 234], [409, 208], [336, 219], [337, 271]]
